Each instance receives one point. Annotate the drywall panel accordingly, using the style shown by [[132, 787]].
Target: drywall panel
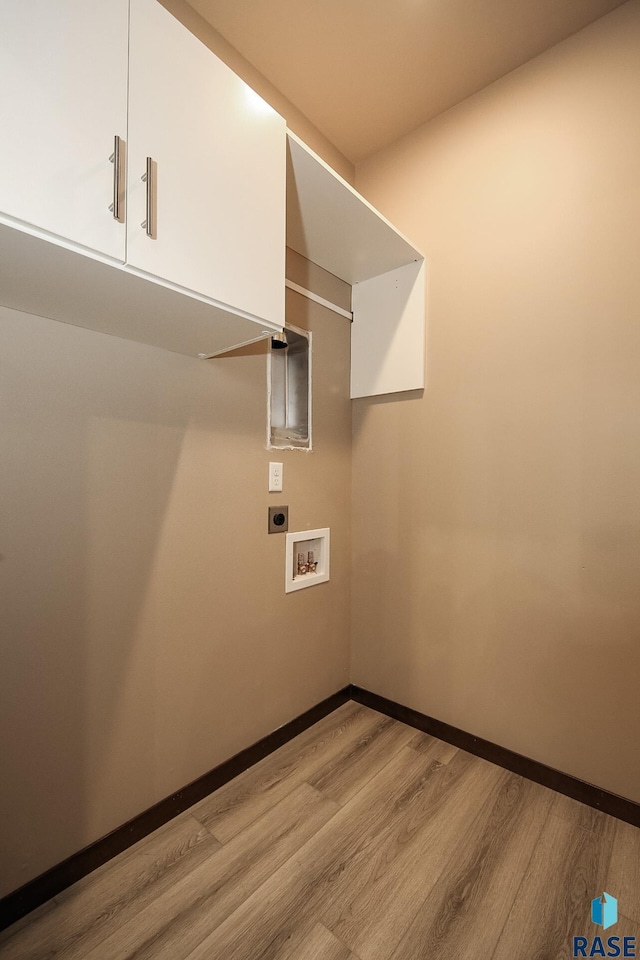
[[497, 518], [146, 634]]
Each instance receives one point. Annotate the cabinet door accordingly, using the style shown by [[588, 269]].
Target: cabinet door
[[63, 99], [219, 165]]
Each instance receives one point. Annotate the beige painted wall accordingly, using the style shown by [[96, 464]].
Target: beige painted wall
[[497, 518], [146, 635]]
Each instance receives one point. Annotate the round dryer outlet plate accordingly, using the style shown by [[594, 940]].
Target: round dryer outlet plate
[[278, 519]]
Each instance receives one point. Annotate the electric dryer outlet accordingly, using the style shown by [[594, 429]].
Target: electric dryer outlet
[[278, 519]]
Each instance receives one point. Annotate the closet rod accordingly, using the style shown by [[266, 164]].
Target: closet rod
[[316, 299]]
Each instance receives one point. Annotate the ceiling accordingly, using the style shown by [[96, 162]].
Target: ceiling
[[365, 72]]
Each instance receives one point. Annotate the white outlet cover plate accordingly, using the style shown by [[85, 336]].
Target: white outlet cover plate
[[275, 477]]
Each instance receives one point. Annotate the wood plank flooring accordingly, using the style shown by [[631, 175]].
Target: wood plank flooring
[[361, 839]]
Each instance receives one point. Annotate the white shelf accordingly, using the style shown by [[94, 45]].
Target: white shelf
[[329, 223]]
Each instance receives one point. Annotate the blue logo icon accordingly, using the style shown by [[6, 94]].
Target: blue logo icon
[[604, 911]]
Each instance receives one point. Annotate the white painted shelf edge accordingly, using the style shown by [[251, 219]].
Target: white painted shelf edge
[[331, 224]]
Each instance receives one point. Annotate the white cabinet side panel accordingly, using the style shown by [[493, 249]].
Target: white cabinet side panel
[[63, 99], [388, 332], [221, 170]]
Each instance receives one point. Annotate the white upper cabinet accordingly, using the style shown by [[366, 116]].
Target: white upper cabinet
[[63, 100], [191, 257], [217, 188], [81, 80]]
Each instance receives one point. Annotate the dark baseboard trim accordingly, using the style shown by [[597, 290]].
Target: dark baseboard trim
[[564, 783], [63, 875], [17, 904]]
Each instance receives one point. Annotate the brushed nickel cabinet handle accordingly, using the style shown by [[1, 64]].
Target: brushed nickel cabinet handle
[[150, 224], [118, 160]]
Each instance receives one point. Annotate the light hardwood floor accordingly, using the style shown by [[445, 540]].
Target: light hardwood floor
[[361, 839]]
